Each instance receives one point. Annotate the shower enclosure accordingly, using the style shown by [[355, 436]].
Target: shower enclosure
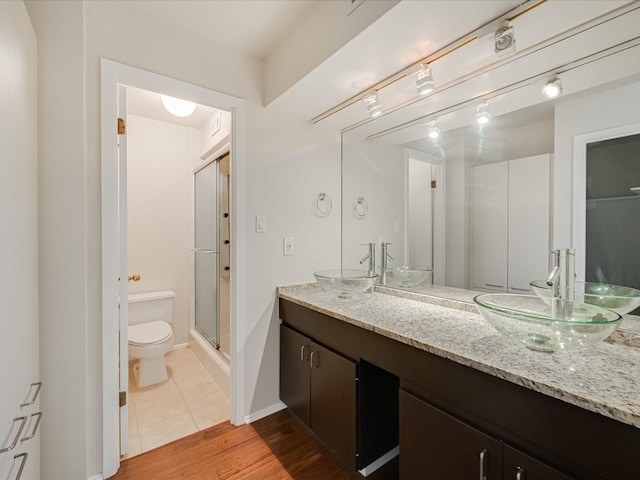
[[211, 252]]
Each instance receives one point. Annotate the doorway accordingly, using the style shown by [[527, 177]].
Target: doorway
[[114, 75]]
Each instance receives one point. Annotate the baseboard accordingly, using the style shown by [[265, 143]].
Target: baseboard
[[375, 465], [265, 412], [177, 347], [97, 476]]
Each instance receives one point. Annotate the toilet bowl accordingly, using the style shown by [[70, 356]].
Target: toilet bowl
[[150, 335]]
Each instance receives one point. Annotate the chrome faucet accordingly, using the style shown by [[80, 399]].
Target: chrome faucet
[[383, 262], [371, 256], [562, 279]]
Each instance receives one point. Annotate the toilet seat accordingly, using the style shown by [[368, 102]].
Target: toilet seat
[[147, 334]]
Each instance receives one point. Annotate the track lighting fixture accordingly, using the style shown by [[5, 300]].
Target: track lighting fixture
[[482, 113], [505, 40], [424, 82], [433, 131], [373, 105], [552, 88]]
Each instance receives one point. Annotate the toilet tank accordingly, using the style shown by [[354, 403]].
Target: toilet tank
[[151, 306]]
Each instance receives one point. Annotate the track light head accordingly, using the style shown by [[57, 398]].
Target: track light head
[[373, 105], [424, 82], [505, 40], [433, 131], [482, 113], [552, 88]]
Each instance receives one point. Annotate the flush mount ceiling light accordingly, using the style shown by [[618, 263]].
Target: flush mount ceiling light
[[178, 107], [482, 114], [505, 40], [373, 105], [552, 88], [424, 82], [433, 131]]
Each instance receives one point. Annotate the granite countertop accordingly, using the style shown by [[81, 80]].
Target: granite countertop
[[604, 378]]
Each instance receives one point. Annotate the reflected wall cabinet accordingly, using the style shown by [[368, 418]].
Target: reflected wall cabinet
[[511, 224]]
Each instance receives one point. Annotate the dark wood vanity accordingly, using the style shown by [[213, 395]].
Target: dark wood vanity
[[363, 393]]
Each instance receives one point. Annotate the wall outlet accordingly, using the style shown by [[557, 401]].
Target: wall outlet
[[288, 246]]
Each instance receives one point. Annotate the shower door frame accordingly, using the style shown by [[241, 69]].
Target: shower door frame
[[217, 250]]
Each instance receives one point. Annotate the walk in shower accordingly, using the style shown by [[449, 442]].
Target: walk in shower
[[211, 253]]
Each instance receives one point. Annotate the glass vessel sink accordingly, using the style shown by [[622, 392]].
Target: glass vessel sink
[[345, 283], [407, 276], [547, 325], [614, 297]]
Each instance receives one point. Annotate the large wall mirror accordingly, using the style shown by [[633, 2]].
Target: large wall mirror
[[483, 204]]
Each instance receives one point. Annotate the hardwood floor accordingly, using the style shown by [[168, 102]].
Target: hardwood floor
[[276, 447]]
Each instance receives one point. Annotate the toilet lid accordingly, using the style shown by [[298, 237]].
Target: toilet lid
[[147, 333]]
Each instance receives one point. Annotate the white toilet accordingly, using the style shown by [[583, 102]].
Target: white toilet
[[150, 335]]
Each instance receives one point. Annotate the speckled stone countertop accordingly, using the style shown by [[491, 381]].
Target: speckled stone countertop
[[604, 378]]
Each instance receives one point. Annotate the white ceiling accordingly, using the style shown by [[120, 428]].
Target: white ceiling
[[252, 27]]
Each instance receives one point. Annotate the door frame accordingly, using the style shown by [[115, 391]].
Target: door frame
[[113, 74]]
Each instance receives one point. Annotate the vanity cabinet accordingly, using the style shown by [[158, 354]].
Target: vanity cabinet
[[511, 222], [435, 445], [319, 386]]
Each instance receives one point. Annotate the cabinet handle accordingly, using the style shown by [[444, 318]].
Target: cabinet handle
[[303, 354], [483, 455], [520, 474], [314, 355], [22, 420], [519, 289], [24, 456], [493, 285], [38, 386], [35, 427]]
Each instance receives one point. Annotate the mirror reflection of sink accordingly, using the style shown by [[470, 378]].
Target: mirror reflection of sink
[[345, 283], [406, 276], [614, 297], [535, 322]]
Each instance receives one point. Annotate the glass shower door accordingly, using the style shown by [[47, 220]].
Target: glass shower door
[[206, 253]]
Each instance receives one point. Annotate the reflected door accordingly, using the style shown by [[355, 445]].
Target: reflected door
[[613, 211], [206, 250]]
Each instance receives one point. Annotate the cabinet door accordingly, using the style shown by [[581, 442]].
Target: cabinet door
[[434, 445], [333, 402], [489, 242], [295, 373], [528, 221], [519, 466]]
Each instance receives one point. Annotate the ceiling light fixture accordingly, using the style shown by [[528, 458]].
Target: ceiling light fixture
[[504, 40], [552, 88], [178, 107], [433, 131], [424, 82], [482, 113], [373, 105]]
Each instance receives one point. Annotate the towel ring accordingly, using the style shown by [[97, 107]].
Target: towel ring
[[360, 208], [322, 205]]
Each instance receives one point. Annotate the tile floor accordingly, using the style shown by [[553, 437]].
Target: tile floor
[[190, 400]]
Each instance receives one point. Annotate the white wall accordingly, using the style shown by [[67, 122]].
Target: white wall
[[376, 172], [610, 106], [19, 226], [159, 178], [68, 303]]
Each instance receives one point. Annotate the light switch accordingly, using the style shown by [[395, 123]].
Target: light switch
[[261, 224], [288, 246]]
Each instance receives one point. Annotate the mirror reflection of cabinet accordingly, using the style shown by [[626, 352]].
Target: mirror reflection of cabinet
[[510, 225]]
